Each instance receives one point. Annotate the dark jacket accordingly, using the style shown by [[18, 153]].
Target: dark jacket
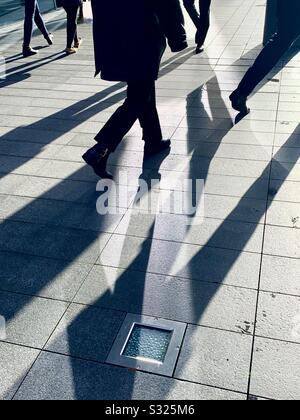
[[130, 36], [66, 3]]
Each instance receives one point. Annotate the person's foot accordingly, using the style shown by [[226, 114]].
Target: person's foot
[[28, 52], [49, 39], [97, 158], [199, 48], [239, 102], [157, 147], [70, 51], [78, 44]]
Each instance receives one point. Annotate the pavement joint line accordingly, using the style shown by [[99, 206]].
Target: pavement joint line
[[261, 262]]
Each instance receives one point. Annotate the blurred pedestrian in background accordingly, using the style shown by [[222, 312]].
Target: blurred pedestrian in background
[[200, 18], [33, 15], [130, 39], [288, 16], [72, 8]]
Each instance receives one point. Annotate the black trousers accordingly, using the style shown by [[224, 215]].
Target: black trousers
[[33, 14], [279, 44], [72, 13], [139, 105], [201, 19]]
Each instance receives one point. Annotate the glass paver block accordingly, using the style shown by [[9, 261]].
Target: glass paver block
[[148, 343]]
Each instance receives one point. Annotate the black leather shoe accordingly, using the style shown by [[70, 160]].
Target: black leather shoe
[[28, 52], [239, 102], [157, 147], [199, 48], [97, 158]]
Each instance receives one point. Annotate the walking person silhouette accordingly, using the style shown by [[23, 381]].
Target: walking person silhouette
[[201, 20], [33, 15], [72, 8], [288, 15], [129, 40]]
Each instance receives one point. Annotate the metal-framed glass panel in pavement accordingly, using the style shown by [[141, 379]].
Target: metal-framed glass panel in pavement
[[148, 344]]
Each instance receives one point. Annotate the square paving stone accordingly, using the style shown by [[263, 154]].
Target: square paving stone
[[56, 377], [284, 214], [285, 171], [280, 275], [282, 241], [86, 332], [29, 320], [53, 242], [42, 277], [276, 370], [210, 232], [200, 303], [287, 191], [279, 317], [182, 260], [216, 358], [15, 362]]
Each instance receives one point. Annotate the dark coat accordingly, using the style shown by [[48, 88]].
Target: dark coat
[[66, 3], [130, 37]]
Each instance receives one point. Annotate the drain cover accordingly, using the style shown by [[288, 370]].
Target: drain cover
[[148, 344]]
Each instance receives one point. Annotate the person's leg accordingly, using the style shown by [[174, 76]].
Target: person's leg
[[71, 25], [40, 22], [30, 6], [288, 32], [204, 22], [149, 121], [138, 98], [139, 101], [192, 11]]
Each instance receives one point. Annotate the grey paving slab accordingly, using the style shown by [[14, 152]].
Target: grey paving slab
[[279, 379], [287, 191], [42, 277], [216, 358], [221, 185], [285, 171], [211, 232], [59, 213], [56, 377], [86, 332], [10, 183], [215, 206], [284, 214], [11, 164], [15, 362], [39, 136], [274, 276], [143, 293], [200, 167], [282, 241], [30, 321], [287, 140], [26, 149], [57, 189], [226, 151], [188, 261], [279, 317], [287, 154], [54, 242]]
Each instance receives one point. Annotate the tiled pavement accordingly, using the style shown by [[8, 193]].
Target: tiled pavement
[[68, 277]]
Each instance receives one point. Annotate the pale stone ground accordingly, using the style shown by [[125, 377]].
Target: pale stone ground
[[68, 277]]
